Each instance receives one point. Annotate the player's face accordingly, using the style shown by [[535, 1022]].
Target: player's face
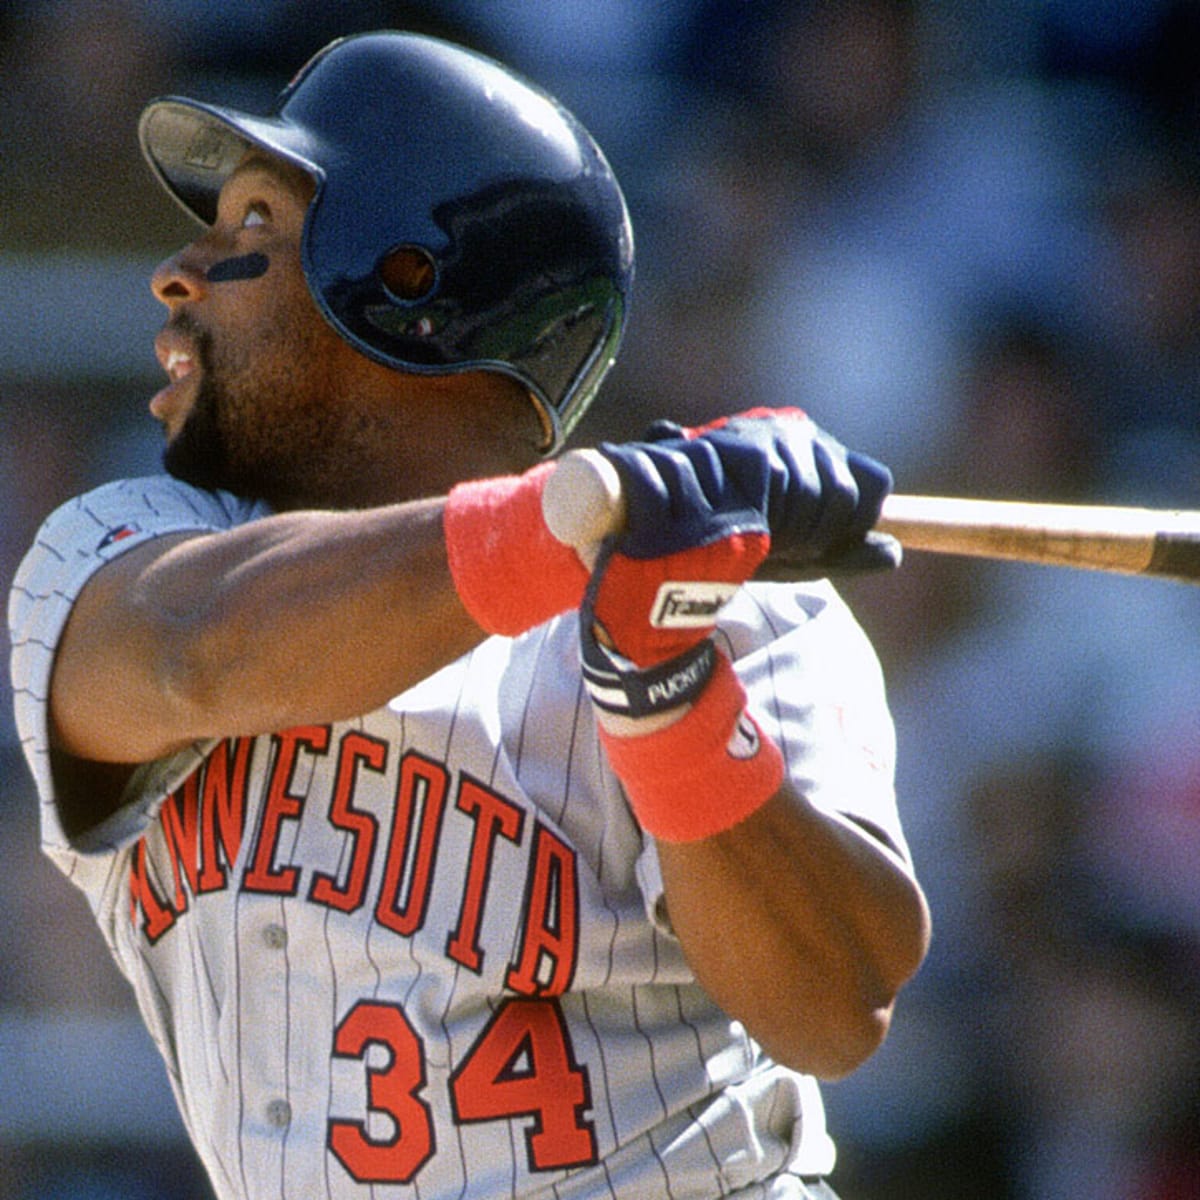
[[250, 405]]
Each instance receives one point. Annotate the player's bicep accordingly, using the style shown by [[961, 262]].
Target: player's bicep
[[109, 699]]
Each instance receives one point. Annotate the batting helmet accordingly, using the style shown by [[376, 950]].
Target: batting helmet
[[425, 152]]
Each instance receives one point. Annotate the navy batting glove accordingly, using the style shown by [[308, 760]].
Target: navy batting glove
[[820, 501], [681, 495]]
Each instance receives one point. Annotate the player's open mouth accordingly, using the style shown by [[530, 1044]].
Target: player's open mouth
[[176, 353], [180, 361], [179, 365]]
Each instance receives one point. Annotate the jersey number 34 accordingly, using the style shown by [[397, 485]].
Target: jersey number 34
[[521, 1065]]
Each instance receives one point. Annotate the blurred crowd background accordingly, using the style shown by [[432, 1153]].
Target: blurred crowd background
[[965, 235]]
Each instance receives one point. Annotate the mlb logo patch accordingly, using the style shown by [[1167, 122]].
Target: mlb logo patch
[[119, 534]]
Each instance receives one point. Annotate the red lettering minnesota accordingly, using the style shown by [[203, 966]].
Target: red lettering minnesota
[[201, 829]]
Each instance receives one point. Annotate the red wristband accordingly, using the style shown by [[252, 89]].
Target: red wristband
[[509, 570], [709, 770]]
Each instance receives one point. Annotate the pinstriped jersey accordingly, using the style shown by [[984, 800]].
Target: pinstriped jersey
[[423, 953]]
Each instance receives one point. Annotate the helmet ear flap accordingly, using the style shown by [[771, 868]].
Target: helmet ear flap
[[408, 273]]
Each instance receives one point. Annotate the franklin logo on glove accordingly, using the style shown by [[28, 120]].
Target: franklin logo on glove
[[694, 605]]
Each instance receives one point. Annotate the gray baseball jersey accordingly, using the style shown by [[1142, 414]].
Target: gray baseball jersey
[[423, 953]]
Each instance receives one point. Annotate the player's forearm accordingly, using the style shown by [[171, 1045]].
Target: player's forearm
[[309, 616], [301, 618], [803, 927]]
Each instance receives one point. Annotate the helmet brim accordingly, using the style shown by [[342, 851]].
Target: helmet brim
[[193, 148]]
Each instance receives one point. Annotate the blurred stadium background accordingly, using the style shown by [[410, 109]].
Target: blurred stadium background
[[966, 236]]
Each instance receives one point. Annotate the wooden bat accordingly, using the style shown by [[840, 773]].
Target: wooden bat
[[582, 504]]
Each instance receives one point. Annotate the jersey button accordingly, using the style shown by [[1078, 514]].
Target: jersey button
[[279, 1114], [275, 936]]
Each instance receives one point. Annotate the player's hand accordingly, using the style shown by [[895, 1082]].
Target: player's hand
[[703, 509], [820, 500], [689, 520], [691, 538]]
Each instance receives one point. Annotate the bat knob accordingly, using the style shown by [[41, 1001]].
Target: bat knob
[[582, 502]]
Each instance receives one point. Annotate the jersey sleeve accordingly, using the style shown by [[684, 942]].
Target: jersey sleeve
[[75, 541]]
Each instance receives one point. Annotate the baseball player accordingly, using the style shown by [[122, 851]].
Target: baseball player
[[441, 862]]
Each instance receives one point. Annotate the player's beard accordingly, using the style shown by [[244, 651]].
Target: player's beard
[[268, 419], [226, 443], [197, 452]]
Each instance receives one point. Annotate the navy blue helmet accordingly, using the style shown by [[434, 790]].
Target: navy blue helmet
[[462, 218]]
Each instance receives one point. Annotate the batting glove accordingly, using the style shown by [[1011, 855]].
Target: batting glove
[[692, 535], [819, 499]]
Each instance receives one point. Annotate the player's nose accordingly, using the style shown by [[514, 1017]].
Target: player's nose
[[180, 278]]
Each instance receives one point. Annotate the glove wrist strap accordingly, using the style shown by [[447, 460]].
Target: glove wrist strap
[[618, 685], [704, 773]]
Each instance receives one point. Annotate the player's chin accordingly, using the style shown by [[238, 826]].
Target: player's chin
[[194, 455]]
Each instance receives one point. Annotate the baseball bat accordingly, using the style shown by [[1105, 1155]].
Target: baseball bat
[[582, 504]]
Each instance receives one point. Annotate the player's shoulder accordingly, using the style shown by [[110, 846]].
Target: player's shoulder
[[92, 528], [124, 507], [807, 627], [116, 516]]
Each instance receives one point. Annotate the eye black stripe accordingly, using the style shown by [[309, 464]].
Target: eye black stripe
[[244, 266]]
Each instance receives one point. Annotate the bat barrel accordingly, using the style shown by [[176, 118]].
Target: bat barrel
[[1134, 541]]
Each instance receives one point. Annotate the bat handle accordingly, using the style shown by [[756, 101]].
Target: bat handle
[[583, 502]]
